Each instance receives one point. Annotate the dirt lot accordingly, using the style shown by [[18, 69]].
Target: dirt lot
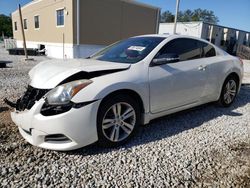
[[204, 147]]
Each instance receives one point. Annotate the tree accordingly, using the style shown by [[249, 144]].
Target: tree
[[205, 16], [167, 16], [185, 16], [189, 15], [5, 26]]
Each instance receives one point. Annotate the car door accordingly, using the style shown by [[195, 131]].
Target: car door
[[177, 84]]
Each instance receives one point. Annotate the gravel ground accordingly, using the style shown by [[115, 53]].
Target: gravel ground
[[204, 147], [14, 77]]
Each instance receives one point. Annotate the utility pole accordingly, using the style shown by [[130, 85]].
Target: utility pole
[[24, 40], [176, 15]]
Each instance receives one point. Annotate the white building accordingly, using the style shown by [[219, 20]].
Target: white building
[[78, 28], [224, 37]]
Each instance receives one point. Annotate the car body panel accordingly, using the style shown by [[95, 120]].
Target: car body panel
[[176, 84], [76, 124], [219, 69], [49, 74], [107, 84]]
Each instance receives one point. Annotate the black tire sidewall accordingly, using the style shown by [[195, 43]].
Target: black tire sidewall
[[104, 107]]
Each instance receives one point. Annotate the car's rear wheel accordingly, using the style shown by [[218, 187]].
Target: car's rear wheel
[[229, 91], [118, 119]]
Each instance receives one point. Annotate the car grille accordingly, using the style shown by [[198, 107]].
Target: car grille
[[30, 97]]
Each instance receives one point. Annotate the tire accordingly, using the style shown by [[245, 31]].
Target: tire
[[115, 131], [229, 91]]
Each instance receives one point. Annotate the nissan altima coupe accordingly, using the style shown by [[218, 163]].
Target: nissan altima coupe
[[104, 98]]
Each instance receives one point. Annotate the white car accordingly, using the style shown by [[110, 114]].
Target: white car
[[73, 103]]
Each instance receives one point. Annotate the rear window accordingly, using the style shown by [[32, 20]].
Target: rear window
[[207, 49]]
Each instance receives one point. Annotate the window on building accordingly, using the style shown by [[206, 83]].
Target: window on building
[[60, 17], [25, 24], [36, 19], [15, 26]]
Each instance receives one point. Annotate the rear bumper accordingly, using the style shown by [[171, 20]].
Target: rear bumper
[[77, 125]]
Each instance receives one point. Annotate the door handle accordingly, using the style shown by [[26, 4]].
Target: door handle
[[202, 67]]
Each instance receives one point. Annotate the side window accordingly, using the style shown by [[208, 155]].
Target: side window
[[207, 49], [186, 49]]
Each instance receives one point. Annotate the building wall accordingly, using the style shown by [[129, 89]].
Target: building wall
[[102, 22], [48, 31], [55, 50], [241, 37], [248, 39], [226, 38], [206, 31], [187, 28], [107, 21], [216, 35], [58, 40]]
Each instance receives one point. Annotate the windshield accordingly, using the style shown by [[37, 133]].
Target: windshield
[[130, 51]]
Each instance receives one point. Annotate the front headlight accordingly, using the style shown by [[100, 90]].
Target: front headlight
[[64, 93]]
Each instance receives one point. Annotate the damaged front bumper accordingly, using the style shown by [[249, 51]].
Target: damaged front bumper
[[69, 130]]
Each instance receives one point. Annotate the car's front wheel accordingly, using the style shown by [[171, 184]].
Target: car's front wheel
[[117, 120], [229, 91]]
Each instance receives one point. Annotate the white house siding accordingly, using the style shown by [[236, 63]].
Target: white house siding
[[217, 35], [223, 37], [190, 28], [241, 37], [206, 31], [54, 50]]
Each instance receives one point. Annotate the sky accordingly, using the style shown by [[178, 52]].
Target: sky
[[231, 13]]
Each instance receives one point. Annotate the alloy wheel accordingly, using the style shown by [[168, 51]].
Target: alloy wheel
[[119, 122], [230, 91]]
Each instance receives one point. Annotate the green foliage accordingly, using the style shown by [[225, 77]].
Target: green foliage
[[5, 25], [167, 16], [189, 15]]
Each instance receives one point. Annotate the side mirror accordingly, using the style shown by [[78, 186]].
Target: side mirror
[[165, 59]]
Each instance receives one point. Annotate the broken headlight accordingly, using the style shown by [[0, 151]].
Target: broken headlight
[[63, 94]]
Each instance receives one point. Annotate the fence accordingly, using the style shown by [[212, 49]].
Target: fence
[[9, 43], [243, 52]]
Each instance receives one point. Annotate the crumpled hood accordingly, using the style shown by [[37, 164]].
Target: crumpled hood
[[48, 74]]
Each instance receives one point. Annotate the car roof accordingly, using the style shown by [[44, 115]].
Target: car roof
[[171, 36], [155, 35], [174, 36]]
